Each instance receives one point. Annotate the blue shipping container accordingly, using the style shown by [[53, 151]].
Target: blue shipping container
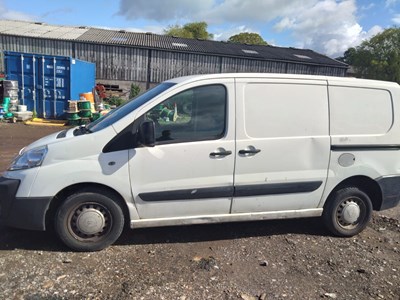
[[47, 82]]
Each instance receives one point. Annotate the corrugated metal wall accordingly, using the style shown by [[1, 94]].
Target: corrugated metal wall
[[115, 62], [315, 70], [245, 65], [132, 64], [166, 65], [32, 45]]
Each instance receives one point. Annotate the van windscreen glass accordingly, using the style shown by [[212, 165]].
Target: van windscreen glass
[[123, 110]]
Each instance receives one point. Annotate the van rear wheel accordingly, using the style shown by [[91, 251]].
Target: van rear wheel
[[88, 221], [347, 212]]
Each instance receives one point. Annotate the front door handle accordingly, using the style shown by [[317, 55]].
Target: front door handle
[[249, 151], [220, 153]]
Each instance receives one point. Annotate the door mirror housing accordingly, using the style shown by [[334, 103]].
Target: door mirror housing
[[147, 133]]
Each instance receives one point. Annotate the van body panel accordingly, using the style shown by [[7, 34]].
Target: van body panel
[[173, 169], [293, 147], [369, 164], [80, 160], [26, 177], [346, 119], [362, 113]]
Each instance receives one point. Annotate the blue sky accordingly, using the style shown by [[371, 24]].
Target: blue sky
[[327, 26]]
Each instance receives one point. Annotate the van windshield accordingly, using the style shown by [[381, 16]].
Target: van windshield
[[123, 110]]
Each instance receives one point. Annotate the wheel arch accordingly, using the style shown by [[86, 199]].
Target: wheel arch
[[364, 183], [84, 187]]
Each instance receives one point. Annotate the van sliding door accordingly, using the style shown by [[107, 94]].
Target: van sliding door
[[282, 145]]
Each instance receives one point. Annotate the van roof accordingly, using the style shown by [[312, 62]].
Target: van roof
[[329, 79]]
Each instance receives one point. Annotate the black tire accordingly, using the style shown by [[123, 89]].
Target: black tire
[[347, 212], [89, 221]]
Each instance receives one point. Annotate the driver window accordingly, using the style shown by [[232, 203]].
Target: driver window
[[193, 115]]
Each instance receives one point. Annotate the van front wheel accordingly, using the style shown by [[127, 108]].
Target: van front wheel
[[347, 212], [89, 221]]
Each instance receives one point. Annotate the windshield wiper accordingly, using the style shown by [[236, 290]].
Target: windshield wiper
[[82, 130]]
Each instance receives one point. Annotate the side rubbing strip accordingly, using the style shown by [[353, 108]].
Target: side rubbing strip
[[365, 148], [238, 191], [202, 193], [277, 188]]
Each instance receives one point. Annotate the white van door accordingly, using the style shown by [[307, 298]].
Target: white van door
[[283, 144], [189, 172]]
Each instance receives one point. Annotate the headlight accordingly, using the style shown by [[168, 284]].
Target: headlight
[[29, 159]]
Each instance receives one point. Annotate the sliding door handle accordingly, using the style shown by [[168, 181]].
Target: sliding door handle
[[249, 151], [220, 153]]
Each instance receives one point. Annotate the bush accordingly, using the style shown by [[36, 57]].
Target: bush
[[114, 101], [135, 90]]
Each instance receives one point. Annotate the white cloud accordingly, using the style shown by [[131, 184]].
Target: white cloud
[[222, 34], [328, 26], [57, 12], [285, 23], [14, 15], [211, 11], [368, 6], [396, 19], [389, 3], [160, 10], [250, 10], [373, 31]]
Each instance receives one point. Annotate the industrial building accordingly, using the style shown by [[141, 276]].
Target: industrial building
[[123, 57]]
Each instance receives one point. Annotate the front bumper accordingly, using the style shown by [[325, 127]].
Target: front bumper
[[390, 187], [24, 213]]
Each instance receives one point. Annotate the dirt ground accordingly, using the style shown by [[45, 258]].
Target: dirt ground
[[289, 259]]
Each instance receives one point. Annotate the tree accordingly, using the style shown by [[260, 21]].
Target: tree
[[247, 38], [195, 30], [377, 58], [199, 30], [178, 31]]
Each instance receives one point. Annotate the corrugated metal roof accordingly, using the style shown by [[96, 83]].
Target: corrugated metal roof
[[41, 30], [155, 41]]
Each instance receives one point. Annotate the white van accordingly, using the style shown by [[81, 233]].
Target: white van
[[215, 148]]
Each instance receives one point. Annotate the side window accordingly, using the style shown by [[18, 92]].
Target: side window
[[193, 115]]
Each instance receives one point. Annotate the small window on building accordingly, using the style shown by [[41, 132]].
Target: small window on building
[[302, 56], [179, 45], [250, 51]]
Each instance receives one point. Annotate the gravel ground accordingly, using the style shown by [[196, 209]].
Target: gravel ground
[[286, 259]]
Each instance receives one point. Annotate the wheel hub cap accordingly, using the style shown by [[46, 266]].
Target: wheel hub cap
[[351, 212], [90, 221]]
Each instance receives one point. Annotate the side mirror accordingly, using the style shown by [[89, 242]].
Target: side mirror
[[147, 133]]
